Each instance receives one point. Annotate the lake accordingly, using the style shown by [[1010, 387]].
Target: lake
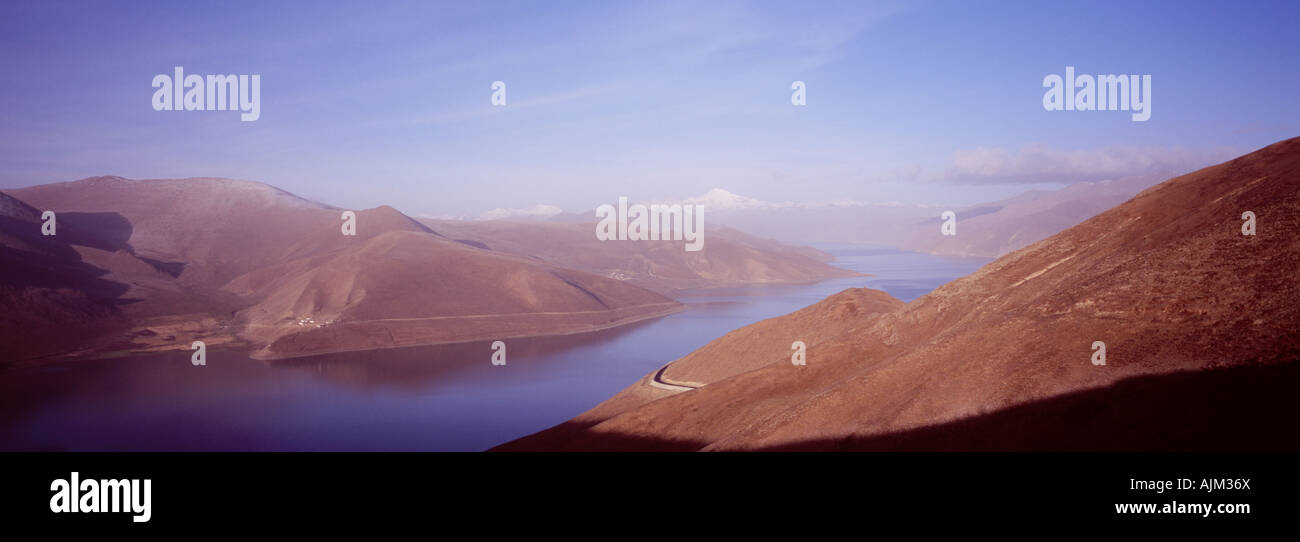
[[444, 398]]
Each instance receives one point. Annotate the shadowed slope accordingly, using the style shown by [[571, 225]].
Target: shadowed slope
[[239, 261], [51, 300], [221, 228], [1211, 411], [1166, 280]]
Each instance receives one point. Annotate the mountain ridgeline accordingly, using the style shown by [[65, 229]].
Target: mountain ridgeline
[[144, 265], [1199, 322]]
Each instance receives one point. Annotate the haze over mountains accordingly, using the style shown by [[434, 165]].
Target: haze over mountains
[[155, 264], [730, 257], [245, 263], [1200, 325], [987, 230], [992, 229]]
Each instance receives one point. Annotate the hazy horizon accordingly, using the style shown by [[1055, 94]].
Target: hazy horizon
[[933, 103]]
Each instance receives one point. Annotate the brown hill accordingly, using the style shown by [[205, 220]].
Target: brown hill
[[729, 257], [408, 288], [51, 299], [217, 229], [237, 261], [1001, 359]]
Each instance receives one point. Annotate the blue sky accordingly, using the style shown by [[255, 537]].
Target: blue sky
[[368, 104]]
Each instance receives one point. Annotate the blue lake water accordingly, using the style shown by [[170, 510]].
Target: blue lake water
[[427, 398]]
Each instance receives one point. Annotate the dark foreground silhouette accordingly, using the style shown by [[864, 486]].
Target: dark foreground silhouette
[[1250, 408]]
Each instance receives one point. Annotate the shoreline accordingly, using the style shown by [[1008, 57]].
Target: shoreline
[[250, 350], [676, 308]]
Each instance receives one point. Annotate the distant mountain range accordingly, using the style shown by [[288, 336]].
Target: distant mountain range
[[990, 230], [985, 230], [246, 264], [730, 257], [1199, 324], [141, 265]]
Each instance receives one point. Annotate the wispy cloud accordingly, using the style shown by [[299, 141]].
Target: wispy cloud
[[1042, 164], [513, 105], [539, 211]]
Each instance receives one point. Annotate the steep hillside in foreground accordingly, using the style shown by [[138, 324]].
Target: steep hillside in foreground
[[729, 257], [1200, 326]]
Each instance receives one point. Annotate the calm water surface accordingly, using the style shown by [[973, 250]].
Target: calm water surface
[[427, 398]]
